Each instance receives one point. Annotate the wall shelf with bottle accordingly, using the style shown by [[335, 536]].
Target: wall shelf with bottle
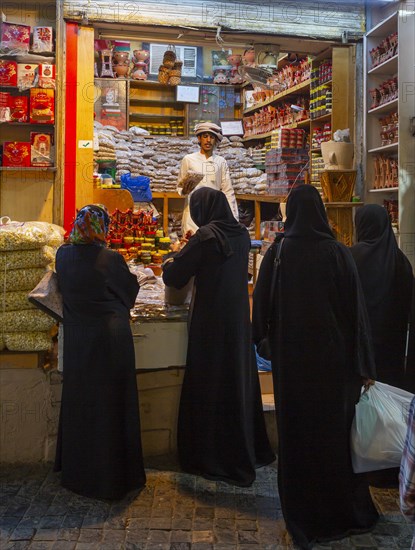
[[28, 103], [389, 59]]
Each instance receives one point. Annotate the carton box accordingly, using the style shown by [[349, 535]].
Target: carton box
[[42, 40], [19, 108], [4, 107], [16, 153], [26, 75], [14, 38], [42, 106], [41, 149], [8, 73], [46, 75]]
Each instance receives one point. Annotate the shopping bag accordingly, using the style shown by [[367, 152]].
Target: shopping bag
[[138, 186], [47, 297], [379, 428]]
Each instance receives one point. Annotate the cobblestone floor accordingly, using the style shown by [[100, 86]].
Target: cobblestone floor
[[175, 511]]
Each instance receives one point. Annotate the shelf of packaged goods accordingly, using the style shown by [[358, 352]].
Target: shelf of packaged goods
[[385, 190], [155, 116], [298, 88], [301, 124], [316, 150], [385, 107], [29, 168], [44, 124], [385, 27], [391, 148], [322, 118], [390, 66], [156, 102], [30, 57]]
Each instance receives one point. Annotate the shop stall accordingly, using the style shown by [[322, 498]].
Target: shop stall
[[124, 96]]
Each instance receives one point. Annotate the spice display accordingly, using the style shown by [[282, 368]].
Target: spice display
[[16, 300], [41, 149], [27, 250], [19, 108], [26, 320], [159, 158], [27, 341], [22, 259]]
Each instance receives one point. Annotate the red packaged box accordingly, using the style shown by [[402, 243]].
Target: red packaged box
[[4, 107], [16, 153], [19, 108], [41, 149], [8, 73], [42, 39], [42, 106], [26, 75], [46, 75], [14, 37]]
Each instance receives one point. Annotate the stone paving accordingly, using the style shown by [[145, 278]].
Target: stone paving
[[175, 511]]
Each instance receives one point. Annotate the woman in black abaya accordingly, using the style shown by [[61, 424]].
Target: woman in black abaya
[[321, 357], [99, 442], [387, 282], [221, 428]]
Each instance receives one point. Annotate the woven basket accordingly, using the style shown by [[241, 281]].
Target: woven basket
[[164, 75], [175, 72], [169, 55], [168, 64], [174, 80]]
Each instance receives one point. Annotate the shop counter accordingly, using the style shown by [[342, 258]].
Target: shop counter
[[159, 343]]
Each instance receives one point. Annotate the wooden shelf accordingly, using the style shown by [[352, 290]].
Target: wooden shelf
[[390, 66], [385, 190], [28, 168], [385, 107], [156, 102], [385, 27], [43, 124], [167, 195], [393, 147], [322, 118], [299, 87], [156, 116], [301, 124]]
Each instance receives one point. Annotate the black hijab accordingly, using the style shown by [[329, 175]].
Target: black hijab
[[376, 253], [211, 212], [306, 215]]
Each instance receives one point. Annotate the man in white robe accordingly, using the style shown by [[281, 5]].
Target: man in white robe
[[214, 168]]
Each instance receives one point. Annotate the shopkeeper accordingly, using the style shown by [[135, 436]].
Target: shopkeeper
[[214, 169]]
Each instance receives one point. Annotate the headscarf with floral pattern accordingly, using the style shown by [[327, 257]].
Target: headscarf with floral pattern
[[90, 226]]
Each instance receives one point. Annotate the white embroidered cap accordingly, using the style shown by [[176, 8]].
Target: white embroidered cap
[[209, 127]]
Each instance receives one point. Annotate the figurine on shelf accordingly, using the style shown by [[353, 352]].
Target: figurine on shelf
[[248, 57], [106, 64], [220, 77], [141, 61], [235, 60], [121, 63]]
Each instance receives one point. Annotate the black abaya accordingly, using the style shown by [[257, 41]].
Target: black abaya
[[387, 283], [320, 352], [99, 445], [221, 427]]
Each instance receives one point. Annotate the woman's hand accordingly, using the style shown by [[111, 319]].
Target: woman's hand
[[367, 382]]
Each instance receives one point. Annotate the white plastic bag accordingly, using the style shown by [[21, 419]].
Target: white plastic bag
[[379, 428]]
